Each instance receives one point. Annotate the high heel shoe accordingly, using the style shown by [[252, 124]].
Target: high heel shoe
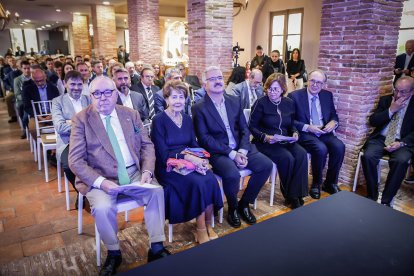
[[201, 236], [211, 234]]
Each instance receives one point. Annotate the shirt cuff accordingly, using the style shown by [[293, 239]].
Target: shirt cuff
[[232, 154], [390, 113], [243, 151], [98, 182], [148, 172], [305, 127]]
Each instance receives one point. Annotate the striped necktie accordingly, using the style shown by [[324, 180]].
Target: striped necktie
[[150, 102], [123, 177]]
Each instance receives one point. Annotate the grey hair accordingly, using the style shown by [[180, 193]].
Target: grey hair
[[320, 71], [254, 72], [171, 71], [130, 64], [208, 69], [99, 79]]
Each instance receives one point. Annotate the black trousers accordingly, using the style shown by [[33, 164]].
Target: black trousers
[[292, 165], [259, 164], [319, 148], [398, 162], [65, 165]]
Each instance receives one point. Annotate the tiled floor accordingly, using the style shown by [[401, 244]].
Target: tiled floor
[[33, 216]]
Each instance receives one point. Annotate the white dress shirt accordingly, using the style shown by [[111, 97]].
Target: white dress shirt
[[126, 100], [77, 104]]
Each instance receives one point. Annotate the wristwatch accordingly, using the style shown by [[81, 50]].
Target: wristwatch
[[402, 144]]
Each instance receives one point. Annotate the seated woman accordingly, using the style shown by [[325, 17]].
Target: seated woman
[[197, 194], [295, 69], [159, 76], [271, 124]]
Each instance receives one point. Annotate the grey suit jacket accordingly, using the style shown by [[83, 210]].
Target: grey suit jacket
[[18, 89], [138, 103], [62, 110], [242, 91], [91, 154]]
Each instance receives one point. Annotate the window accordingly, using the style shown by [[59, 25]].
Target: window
[[406, 27], [286, 30], [25, 39]]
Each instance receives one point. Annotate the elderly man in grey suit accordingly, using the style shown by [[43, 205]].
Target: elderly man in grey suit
[[109, 147], [127, 97], [64, 108], [250, 90]]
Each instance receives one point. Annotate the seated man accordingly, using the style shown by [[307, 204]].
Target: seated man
[[147, 89], [222, 130], [393, 136], [127, 97], [64, 108], [316, 120], [110, 147], [250, 90]]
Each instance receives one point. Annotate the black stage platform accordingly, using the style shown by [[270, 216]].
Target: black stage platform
[[343, 234]]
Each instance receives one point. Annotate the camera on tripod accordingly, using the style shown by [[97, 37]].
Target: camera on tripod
[[236, 50]]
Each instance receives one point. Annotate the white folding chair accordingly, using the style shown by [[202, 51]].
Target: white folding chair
[[123, 205], [383, 160], [45, 134]]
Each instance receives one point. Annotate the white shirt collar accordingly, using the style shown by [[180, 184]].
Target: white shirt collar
[[310, 96], [113, 115], [74, 100]]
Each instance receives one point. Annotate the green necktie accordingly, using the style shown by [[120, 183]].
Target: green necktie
[[123, 177]]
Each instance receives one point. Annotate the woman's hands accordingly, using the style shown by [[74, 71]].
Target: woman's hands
[[200, 163]]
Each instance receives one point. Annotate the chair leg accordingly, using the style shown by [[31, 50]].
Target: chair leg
[[255, 204], [59, 176], [379, 173], [80, 213], [212, 220], [241, 183], [34, 149], [357, 171], [67, 193], [98, 246], [272, 184], [39, 159], [126, 215], [45, 163], [170, 232]]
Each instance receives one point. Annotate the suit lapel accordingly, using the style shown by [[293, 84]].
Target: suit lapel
[[97, 126], [84, 101], [305, 106], [325, 112], [213, 112]]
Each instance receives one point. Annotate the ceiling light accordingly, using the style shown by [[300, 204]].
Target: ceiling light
[[58, 10], [77, 13], [106, 3], [39, 29], [27, 20], [48, 25]]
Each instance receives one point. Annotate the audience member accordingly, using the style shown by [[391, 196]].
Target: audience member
[[159, 76], [295, 68], [275, 135], [404, 63], [83, 68], [222, 130], [64, 108], [316, 120], [19, 52], [250, 90], [105, 134], [273, 65], [60, 84], [192, 80], [259, 59], [113, 67], [393, 136], [11, 72], [122, 55], [134, 76], [18, 93], [139, 65], [147, 89], [67, 67], [78, 59], [248, 69], [194, 195], [237, 76]]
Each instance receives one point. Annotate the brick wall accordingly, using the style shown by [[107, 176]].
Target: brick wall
[[358, 42], [104, 30], [144, 31], [210, 30], [80, 35]]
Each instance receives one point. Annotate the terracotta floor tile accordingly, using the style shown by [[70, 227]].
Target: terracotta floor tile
[[53, 214], [1, 226], [7, 213], [24, 208], [64, 224], [19, 222], [35, 246], [36, 231], [72, 236], [10, 252], [10, 237]]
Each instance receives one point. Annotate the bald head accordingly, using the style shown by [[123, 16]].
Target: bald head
[[255, 78], [404, 87], [39, 77]]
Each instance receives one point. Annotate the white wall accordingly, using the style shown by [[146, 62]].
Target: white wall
[[256, 21], [5, 41], [42, 36]]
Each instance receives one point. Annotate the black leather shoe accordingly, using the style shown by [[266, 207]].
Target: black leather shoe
[[161, 254], [23, 136], [110, 266], [315, 193], [331, 189], [246, 215], [301, 201], [12, 120], [233, 219], [386, 204], [295, 203]]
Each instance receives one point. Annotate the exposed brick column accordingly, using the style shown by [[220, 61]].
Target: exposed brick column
[[358, 43], [144, 31], [80, 35], [104, 30], [210, 35]]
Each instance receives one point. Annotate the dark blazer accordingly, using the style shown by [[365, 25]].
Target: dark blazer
[[400, 63], [140, 89], [380, 119], [160, 104], [268, 68], [302, 117], [193, 81], [138, 102], [242, 91], [210, 130], [31, 93]]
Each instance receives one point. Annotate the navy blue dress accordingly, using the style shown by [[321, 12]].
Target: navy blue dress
[[186, 196]]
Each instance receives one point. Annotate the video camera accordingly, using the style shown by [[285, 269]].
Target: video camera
[[236, 50]]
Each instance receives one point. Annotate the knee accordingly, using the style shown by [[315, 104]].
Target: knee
[[102, 209], [400, 160], [320, 151], [339, 147]]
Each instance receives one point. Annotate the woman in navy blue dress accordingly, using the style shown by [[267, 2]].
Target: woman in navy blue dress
[[197, 194]]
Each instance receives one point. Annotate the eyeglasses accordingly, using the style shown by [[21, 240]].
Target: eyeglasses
[[275, 90], [218, 78], [98, 94], [318, 83], [177, 78], [403, 92], [148, 77]]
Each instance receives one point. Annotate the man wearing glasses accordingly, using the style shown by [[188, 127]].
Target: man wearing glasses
[[393, 136], [250, 90], [316, 120], [147, 88], [222, 130], [110, 147]]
